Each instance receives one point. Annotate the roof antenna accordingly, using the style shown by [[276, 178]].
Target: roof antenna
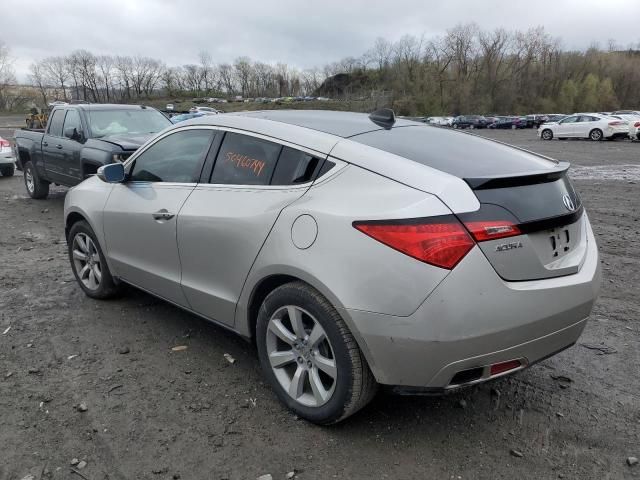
[[384, 118]]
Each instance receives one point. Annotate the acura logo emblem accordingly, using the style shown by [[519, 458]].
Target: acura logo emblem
[[566, 199]]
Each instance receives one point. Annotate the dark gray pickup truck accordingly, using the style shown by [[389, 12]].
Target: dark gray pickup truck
[[81, 138]]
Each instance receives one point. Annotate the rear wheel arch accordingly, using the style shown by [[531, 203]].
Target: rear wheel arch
[[260, 291], [269, 283]]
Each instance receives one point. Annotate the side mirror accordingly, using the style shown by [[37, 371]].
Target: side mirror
[[73, 134], [112, 173]]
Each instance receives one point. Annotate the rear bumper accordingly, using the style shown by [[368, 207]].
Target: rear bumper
[[474, 319]]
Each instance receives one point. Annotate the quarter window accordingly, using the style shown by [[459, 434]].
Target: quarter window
[[175, 158], [55, 126], [245, 160], [294, 167]]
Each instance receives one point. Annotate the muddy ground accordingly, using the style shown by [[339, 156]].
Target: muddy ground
[[153, 413]]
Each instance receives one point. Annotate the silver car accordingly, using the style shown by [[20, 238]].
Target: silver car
[[353, 250]]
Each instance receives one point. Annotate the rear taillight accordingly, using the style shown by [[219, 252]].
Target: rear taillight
[[4, 143], [637, 124], [617, 123], [492, 230], [441, 241]]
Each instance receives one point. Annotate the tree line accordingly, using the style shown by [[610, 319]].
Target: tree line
[[470, 70], [105, 78], [467, 70]]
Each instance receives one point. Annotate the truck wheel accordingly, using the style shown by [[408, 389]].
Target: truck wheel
[[36, 187], [8, 170], [88, 263]]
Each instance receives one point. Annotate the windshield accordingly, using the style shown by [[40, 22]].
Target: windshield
[[117, 122]]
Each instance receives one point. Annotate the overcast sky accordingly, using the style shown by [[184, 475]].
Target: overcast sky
[[298, 32]]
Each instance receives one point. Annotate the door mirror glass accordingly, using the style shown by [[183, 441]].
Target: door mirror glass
[[112, 173]]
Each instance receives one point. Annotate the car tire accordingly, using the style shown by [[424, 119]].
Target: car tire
[[36, 187], [352, 385], [546, 134], [596, 135], [84, 251], [513, 127], [472, 127], [8, 170], [455, 126]]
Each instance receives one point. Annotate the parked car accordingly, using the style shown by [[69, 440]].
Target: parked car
[[169, 107], [205, 110], [469, 121], [534, 121], [626, 112], [585, 125], [507, 123], [634, 123], [448, 279], [81, 138], [186, 116], [440, 121], [7, 162]]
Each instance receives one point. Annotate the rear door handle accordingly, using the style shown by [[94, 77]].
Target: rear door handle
[[59, 147], [163, 215], [45, 144]]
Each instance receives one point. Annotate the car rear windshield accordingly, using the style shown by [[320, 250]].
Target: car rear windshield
[[105, 123], [459, 154]]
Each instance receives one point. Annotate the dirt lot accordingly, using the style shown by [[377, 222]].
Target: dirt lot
[[152, 413]]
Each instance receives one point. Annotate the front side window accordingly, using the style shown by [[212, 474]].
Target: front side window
[[175, 158], [245, 160], [55, 125], [71, 121]]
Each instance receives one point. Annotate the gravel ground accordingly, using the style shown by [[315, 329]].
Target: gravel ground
[[98, 382]]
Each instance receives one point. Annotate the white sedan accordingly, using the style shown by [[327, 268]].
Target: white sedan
[[585, 125], [634, 123], [7, 165]]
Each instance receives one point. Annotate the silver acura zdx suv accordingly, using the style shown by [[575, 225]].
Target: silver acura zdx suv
[[354, 250]]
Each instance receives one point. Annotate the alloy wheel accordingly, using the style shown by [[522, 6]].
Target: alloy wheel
[[86, 260], [28, 180], [301, 356], [596, 135]]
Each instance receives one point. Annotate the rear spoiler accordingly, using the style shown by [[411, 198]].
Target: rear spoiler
[[529, 178]]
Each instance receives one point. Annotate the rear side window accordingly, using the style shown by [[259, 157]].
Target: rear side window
[[175, 158], [55, 126], [245, 160], [294, 167]]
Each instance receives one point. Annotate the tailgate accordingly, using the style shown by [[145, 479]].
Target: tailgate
[[549, 216]]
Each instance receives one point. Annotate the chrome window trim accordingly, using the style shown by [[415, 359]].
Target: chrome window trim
[[249, 133]]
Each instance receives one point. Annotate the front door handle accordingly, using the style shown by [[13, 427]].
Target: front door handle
[[163, 215], [59, 147], [45, 144]]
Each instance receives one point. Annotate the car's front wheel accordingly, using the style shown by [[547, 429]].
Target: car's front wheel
[[547, 134], [310, 357], [88, 263]]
